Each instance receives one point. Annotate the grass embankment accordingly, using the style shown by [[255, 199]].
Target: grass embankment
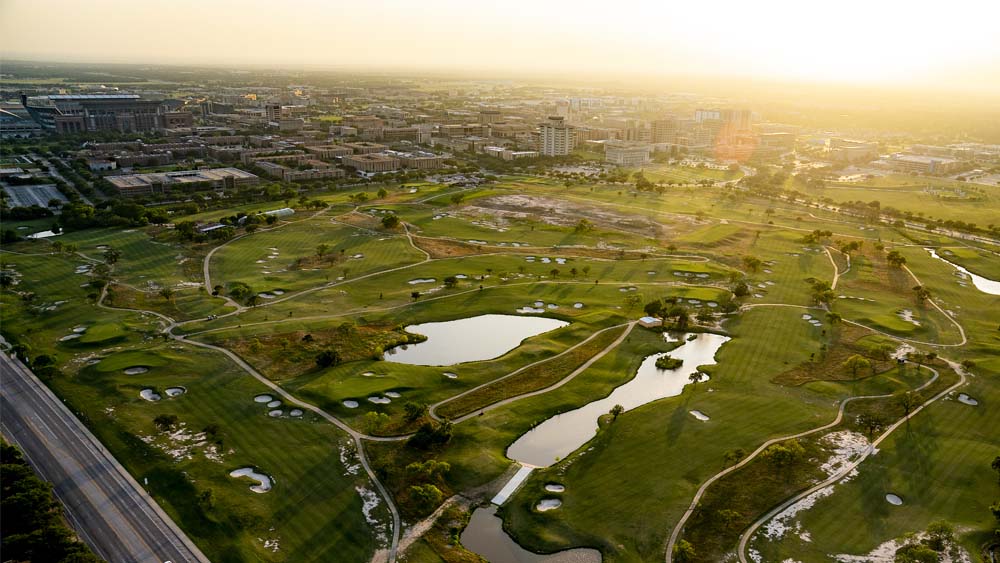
[[531, 379]]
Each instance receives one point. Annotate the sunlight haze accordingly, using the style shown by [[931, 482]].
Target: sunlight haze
[[847, 42]]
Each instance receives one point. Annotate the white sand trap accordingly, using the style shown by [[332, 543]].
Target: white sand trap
[[414, 190], [546, 260], [555, 488], [277, 292], [699, 415], [806, 316], [295, 412], [712, 304], [560, 260], [769, 282], [69, 337], [965, 399], [893, 499], [261, 261], [136, 370], [263, 481], [275, 413], [694, 301], [578, 305], [273, 404], [703, 276], [175, 391], [149, 395], [263, 399], [461, 277], [350, 404], [79, 329], [651, 272], [539, 303], [907, 315], [368, 374], [421, 280], [474, 241], [547, 504], [450, 375], [358, 256], [527, 310], [552, 306], [392, 394], [761, 286], [265, 296], [379, 400]]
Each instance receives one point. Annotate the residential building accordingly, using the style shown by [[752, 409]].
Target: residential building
[[555, 137]]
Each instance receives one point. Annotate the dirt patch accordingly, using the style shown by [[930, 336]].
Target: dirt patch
[[499, 211]]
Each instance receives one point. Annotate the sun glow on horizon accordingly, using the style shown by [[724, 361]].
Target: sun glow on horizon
[[852, 41]]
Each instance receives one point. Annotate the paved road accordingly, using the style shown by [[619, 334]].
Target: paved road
[[109, 509]]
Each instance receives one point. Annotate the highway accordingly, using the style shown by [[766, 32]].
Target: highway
[[105, 505]]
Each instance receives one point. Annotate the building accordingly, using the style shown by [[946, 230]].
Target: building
[[80, 113], [364, 147], [850, 150], [665, 130], [506, 154], [15, 123], [177, 120], [624, 153], [135, 185], [489, 116], [371, 163], [417, 160], [650, 322], [782, 142], [329, 152], [555, 137], [921, 164], [101, 165]]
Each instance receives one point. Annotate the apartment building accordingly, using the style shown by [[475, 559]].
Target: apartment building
[[556, 137]]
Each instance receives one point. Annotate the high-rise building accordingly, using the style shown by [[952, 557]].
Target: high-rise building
[[555, 137], [272, 112], [489, 116], [665, 130]]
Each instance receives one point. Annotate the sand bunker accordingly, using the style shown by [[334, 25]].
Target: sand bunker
[[149, 395], [450, 375], [379, 400], [350, 404], [578, 305], [806, 317], [275, 413], [392, 394], [547, 504], [263, 399], [69, 337], [539, 303], [907, 315], [965, 399], [263, 481], [136, 370], [699, 415], [552, 306], [175, 391], [555, 488], [79, 329], [295, 412], [367, 374], [527, 310], [273, 404], [893, 499], [421, 280]]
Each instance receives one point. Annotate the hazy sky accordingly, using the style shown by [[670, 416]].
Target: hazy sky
[[885, 41]]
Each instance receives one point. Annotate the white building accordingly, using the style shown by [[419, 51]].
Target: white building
[[627, 154], [555, 137]]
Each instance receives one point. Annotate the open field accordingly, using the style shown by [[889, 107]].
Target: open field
[[336, 290]]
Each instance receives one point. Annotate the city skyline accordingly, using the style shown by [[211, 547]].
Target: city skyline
[[884, 44]]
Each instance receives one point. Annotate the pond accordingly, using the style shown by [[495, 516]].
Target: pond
[[560, 435], [484, 535], [469, 340], [985, 285]]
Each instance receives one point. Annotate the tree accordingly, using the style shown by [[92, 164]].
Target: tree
[[915, 553], [616, 411], [632, 300], [327, 358], [165, 422], [871, 422], [741, 290], [834, 318], [908, 401], [413, 411], [167, 293], [583, 226], [322, 249], [752, 263], [451, 282], [683, 552], [111, 255], [855, 363], [729, 517], [784, 454], [382, 192], [939, 535], [922, 293], [390, 221], [414, 295], [895, 259], [376, 421], [457, 198], [425, 497], [734, 456]]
